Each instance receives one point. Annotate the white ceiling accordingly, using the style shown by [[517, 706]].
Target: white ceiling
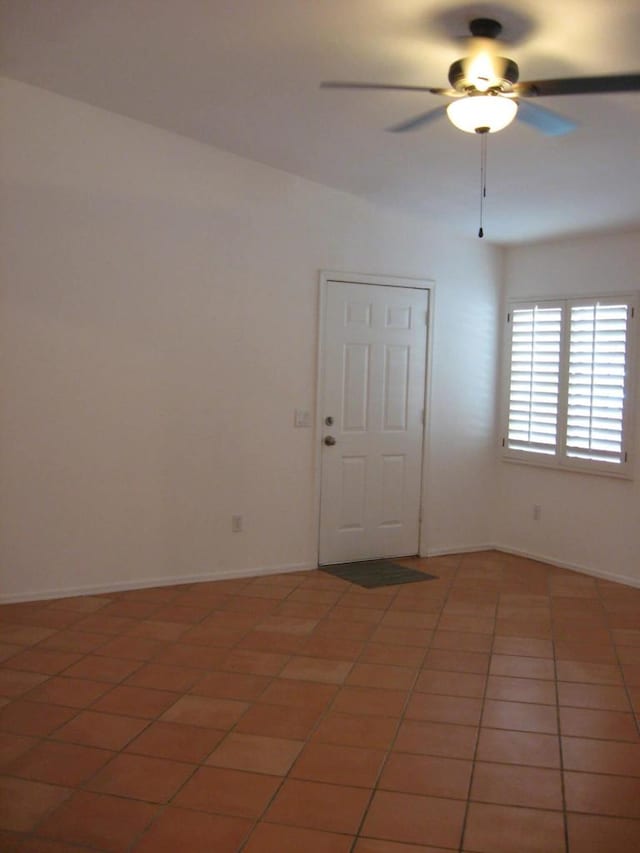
[[243, 75]]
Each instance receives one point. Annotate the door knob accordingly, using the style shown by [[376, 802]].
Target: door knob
[[329, 441]]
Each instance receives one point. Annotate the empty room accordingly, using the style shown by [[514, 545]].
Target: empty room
[[320, 423]]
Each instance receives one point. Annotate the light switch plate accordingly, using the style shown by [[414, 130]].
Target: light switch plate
[[302, 418]]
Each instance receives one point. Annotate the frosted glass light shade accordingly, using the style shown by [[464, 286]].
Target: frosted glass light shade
[[480, 111]]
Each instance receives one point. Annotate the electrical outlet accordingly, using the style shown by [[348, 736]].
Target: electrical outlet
[[537, 512], [236, 524]]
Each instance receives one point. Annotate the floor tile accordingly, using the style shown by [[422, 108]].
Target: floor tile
[[195, 657], [279, 721], [510, 747], [520, 716], [419, 637], [462, 641], [307, 694], [372, 845], [274, 838], [42, 661], [522, 667], [14, 682], [356, 730], [141, 777], [352, 699], [131, 648], [256, 753], [331, 648], [98, 821], [72, 692], [226, 791], [33, 718], [108, 731], [196, 832], [157, 630], [609, 725], [231, 685], [23, 802], [442, 739], [594, 834], [427, 775], [164, 677], [451, 683], [444, 709], [510, 689], [299, 700], [315, 805], [394, 655], [415, 820], [504, 829], [101, 668], [588, 673], [24, 635], [338, 764], [601, 756], [204, 711], [253, 663], [523, 647], [505, 784], [80, 642], [616, 796], [59, 763], [598, 696], [396, 618], [135, 701], [13, 745], [176, 741], [454, 661], [381, 676]]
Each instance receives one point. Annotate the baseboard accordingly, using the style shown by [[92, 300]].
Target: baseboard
[[457, 549], [539, 558], [231, 574], [147, 583], [573, 567]]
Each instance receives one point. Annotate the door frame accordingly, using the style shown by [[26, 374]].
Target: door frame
[[327, 276]]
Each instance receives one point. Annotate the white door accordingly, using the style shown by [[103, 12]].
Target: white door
[[372, 406]]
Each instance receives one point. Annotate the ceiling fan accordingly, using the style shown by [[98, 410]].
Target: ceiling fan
[[487, 96]]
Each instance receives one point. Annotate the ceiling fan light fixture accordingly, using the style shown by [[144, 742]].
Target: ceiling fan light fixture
[[482, 113]]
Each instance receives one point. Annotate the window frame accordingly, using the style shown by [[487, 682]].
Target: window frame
[[559, 460]]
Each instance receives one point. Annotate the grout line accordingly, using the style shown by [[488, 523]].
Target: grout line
[[452, 586], [479, 726]]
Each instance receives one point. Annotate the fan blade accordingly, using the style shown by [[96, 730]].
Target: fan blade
[[544, 120], [418, 121], [578, 86], [336, 84]]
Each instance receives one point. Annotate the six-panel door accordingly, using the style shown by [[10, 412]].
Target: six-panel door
[[374, 354]]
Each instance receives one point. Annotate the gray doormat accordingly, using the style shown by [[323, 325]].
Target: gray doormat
[[374, 573]]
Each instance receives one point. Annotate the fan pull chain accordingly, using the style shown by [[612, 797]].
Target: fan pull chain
[[483, 133]]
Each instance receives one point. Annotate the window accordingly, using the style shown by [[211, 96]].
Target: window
[[569, 392]]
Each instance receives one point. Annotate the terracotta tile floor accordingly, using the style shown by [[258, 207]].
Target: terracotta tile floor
[[493, 710]]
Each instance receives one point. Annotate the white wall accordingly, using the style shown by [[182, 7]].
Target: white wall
[[159, 327], [589, 522]]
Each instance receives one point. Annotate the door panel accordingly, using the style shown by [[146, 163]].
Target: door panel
[[374, 363]]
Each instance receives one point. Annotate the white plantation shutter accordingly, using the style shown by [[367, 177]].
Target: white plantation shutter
[[535, 378], [569, 381], [597, 373]]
